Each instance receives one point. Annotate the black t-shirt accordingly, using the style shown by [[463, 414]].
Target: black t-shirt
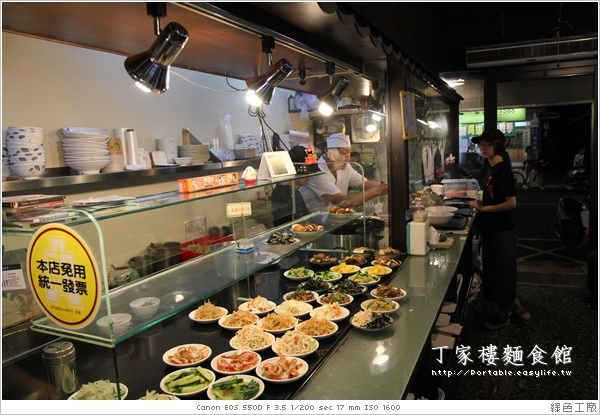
[[497, 186]]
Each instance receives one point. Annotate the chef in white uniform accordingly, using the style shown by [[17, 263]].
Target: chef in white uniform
[[331, 187]]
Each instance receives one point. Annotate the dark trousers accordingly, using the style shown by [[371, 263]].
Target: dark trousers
[[499, 258]]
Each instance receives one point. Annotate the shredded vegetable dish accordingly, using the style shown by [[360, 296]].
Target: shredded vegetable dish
[[335, 297], [258, 304], [251, 338], [316, 327], [294, 307], [328, 311], [239, 319], [209, 311], [98, 390], [380, 304], [274, 321], [364, 278], [295, 343], [154, 396]]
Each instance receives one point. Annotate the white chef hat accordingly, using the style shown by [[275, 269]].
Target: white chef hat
[[338, 140]]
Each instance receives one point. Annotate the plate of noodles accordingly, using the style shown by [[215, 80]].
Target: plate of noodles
[[207, 313]]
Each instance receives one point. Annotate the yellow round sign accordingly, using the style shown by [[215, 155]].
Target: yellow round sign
[[64, 276]]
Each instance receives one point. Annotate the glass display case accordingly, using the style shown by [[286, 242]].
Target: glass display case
[[120, 233]]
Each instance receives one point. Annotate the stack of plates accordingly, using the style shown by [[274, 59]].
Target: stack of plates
[[199, 153], [25, 151], [85, 149]]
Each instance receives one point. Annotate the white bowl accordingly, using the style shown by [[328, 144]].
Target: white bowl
[[28, 170], [121, 323], [288, 274], [365, 305], [244, 378], [122, 388], [294, 307], [289, 296], [235, 362], [441, 209], [294, 321], [183, 161], [205, 353], [165, 389], [295, 336], [144, 307], [333, 325], [439, 218], [302, 369]]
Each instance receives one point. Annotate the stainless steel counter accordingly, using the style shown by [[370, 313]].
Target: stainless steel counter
[[381, 365]]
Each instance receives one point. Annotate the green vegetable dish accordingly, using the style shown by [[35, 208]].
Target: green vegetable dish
[[187, 381], [235, 388]]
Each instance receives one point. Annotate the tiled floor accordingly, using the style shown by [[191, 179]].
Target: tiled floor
[[552, 286]]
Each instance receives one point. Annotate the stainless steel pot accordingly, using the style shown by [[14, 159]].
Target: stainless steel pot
[[220, 231]]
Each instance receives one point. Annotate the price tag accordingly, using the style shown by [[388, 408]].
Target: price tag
[[12, 277], [236, 210]]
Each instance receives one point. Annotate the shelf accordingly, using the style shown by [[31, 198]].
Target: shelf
[[194, 280], [151, 202], [62, 177]]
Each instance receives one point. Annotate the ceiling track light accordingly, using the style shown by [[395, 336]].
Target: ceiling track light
[[151, 69], [262, 87], [329, 99]]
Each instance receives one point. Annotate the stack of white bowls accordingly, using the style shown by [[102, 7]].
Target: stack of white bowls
[[25, 150], [85, 149]]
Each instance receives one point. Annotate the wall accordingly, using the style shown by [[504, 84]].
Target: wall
[[51, 85]]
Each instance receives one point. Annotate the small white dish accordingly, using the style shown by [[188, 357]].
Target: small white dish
[[235, 362], [276, 374], [328, 312], [303, 328], [201, 353], [192, 316], [122, 388], [294, 323], [144, 307], [365, 305], [222, 320], [243, 378], [246, 307], [183, 161], [207, 372]]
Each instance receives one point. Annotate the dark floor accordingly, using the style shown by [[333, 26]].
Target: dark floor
[[552, 285]]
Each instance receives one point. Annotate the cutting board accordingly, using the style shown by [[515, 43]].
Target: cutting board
[[444, 245]]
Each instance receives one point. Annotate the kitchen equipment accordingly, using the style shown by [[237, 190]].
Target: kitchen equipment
[[222, 230], [439, 218], [168, 254], [61, 371], [143, 264]]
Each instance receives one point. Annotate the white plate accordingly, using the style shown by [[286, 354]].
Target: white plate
[[367, 284], [243, 356], [166, 165], [388, 319], [374, 294], [343, 303], [277, 331], [387, 270], [268, 343], [353, 270], [123, 389], [318, 312], [363, 289], [288, 275], [163, 382], [302, 369], [245, 378], [288, 296], [364, 305], [302, 308], [206, 352], [334, 330], [209, 320], [234, 328], [335, 276], [244, 307], [314, 344]]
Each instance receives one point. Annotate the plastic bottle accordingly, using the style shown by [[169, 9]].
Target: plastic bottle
[[226, 132]]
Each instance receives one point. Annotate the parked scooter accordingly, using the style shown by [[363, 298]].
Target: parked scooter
[[569, 226], [578, 176]]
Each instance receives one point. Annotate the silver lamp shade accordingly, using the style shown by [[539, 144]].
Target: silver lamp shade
[[261, 88], [150, 69], [329, 99]]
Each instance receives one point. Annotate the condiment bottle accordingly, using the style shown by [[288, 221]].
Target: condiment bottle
[[61, 371]]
